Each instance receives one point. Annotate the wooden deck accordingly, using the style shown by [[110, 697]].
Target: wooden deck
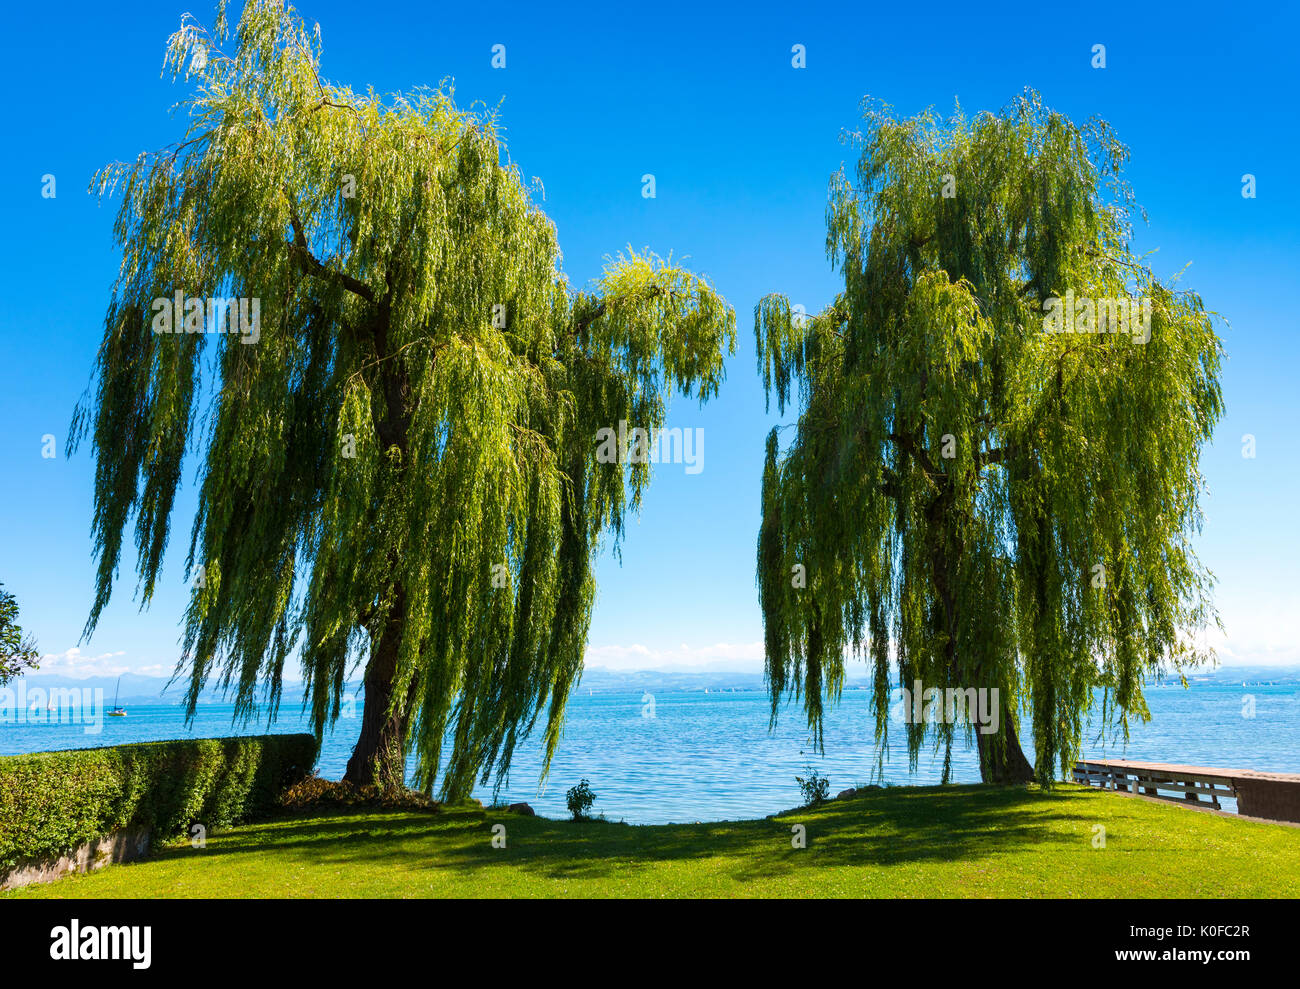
[[1273, 796]]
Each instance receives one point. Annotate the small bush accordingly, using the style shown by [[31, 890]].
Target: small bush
[[54, 801], [580, 798], [814, 787]]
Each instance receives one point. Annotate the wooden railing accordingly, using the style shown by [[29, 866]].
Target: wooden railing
[[1275, 796]]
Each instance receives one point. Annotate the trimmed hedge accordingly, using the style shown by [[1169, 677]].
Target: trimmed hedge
[[51, 802]]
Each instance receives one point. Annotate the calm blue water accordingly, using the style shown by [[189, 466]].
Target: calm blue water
[[711, 756]]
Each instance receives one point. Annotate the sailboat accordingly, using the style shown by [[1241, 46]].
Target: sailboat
[[117, 712]]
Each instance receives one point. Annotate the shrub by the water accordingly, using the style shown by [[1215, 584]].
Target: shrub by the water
[[580, 798], [51, 802], [814, 787]]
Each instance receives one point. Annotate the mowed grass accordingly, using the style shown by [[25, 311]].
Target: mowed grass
[[957, 841]]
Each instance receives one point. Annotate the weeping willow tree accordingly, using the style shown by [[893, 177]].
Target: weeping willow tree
[[993, 479], [397, 413]]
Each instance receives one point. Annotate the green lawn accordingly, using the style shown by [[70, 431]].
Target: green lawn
[[899, 842]]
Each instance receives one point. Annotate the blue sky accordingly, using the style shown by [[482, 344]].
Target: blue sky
[[741, 145]]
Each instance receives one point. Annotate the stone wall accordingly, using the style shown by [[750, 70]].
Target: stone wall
[[124, 846]]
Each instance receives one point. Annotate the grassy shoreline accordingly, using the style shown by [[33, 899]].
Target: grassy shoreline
[[955, 841]]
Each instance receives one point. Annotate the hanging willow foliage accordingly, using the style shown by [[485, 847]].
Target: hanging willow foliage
[[398, 461], [975, 500]]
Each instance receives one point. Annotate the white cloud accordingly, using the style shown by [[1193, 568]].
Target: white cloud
[[1276, 647], [74, 663]]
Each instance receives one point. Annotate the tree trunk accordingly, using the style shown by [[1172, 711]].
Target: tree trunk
[[1002, 760], [379, 758]]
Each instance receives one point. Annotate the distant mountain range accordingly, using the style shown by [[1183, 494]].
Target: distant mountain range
[[138, 689], [135, 688]]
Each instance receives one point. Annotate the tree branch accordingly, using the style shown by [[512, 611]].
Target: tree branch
[[908, 443], [309, 263]]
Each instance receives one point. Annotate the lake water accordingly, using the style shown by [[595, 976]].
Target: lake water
[[710, 756]]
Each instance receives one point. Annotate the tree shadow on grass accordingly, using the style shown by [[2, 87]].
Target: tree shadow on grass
[[342, 835], [889, 827]]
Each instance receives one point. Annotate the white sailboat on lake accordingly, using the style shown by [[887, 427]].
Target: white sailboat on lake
[[116, 711]]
